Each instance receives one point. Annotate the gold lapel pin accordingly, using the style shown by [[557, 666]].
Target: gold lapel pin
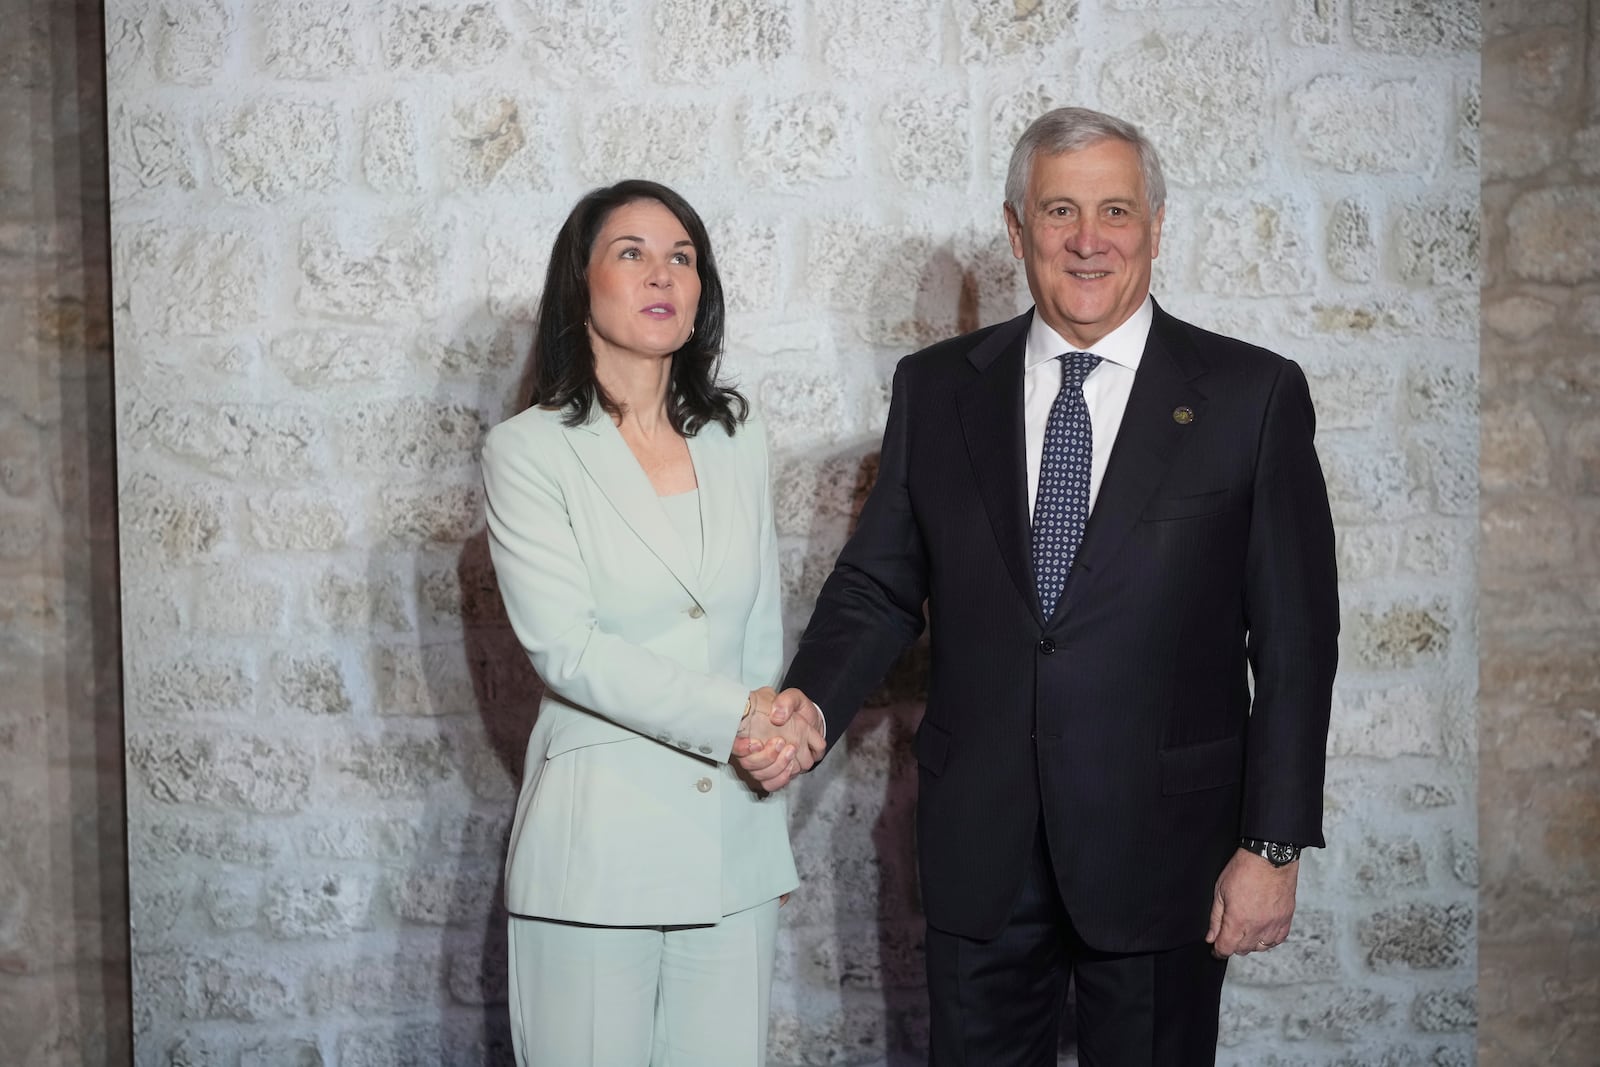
[[1183, 415]]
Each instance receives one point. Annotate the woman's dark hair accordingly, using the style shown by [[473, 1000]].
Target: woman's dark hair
[[562, 362]]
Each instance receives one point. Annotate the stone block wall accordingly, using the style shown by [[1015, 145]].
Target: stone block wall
[[1539, 567], [64, 991], [330, 223]]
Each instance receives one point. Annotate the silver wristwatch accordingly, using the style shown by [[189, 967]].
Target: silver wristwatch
[[1274, 852]]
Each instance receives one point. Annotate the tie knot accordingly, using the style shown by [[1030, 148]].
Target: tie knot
[[1076, 366]]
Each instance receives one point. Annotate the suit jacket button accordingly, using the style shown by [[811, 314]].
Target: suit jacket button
[[705, 750], [696, 612], [704, 785], [1048, 645]]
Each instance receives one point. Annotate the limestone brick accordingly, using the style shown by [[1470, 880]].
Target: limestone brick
[[1352, 393], [666, 142], [348, 602], [390, 147], [861, 39], [191, 40], [569, 40], [1463, 855], [1502, 18], [1387, 867], [517, 266], [475, 834], [470, 350], [231, 905], [927, 139], [310, 683], [749, 261], [407, 1045], [1518, 152], [1407, 28], [994, 32], [1417, 936], [321, 357], [464, 593], [411, 434], [231, 839], [1403, 634], [387, 766], [1553, 234], [443, 895], [1366, 552], [180, 523], [235, 770], [802, 408], [382, 838], [329, 906], [1344, 1015], [309, 38], [429, 681], [1445, 1010], [1210, 117], [1436, 241], [696, 41], [1439, 548], [1446, 462], [789, 142], [373, 268], [1543, 531], [1352, 246], [192, 685], [1389, 722], [451, 36], [1256, 248], [494, 140], [1312, 22], [1358, 125], [1520, 316], [402, 982], [153, 152], [1386, 317], [221, 275], [273, 148], [1541, 74], [446, 514], [21, 454], [1516, 453]]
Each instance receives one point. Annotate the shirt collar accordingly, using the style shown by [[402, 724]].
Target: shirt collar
[[1123, 346]]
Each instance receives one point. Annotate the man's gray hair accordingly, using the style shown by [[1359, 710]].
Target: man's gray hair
[[1068, 129]]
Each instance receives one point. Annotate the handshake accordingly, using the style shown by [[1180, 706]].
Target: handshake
[[780, 736]]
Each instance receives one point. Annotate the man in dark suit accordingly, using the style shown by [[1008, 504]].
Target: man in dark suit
[[1116, 521]]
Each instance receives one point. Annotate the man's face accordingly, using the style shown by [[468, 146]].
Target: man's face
[[1087, 239]]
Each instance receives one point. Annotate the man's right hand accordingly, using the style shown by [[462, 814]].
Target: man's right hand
[[780, 738]]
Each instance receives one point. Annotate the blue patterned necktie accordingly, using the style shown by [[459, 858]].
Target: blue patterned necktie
[[1061, 508]]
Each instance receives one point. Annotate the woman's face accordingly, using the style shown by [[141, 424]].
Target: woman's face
[[644, 287]]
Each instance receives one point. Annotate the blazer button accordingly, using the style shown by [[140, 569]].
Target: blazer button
[[704, 785], [1048, 645], [705, 750], [696, 612]]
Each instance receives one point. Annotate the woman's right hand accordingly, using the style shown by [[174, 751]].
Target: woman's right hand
[[772, 754]]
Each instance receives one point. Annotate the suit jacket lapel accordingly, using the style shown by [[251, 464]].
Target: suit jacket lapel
[[991, 419], [619, 478], [1147, 441]]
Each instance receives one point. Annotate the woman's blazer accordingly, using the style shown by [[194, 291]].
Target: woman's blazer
[[629, 812]]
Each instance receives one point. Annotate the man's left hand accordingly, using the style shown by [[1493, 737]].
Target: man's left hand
[[1253, 905]]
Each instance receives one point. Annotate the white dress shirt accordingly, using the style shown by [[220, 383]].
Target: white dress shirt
[[1105, 390]]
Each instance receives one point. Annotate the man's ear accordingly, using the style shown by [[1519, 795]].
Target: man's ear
[[1013, 230], [1155, 232]]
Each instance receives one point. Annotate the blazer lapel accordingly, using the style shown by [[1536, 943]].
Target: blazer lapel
[[619, 478], [991, 419], [1147, 441]]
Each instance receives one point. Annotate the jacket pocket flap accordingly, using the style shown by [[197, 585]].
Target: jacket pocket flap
[[1208, 765], [1186, 507], [581, 730], [932, 746]]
